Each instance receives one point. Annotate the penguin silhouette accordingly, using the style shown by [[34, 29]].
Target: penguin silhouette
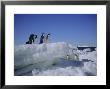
[[42, 38]]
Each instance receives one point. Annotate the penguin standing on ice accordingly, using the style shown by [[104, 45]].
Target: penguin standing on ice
[[67, 57], [42, 38], [47, 38], [32, 38]]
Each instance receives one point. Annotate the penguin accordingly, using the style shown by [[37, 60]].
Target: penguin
[[42, 38], [32, 38], [47, 37]]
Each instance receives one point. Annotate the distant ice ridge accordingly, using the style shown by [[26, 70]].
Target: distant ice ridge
[[83, 46], [42, 55]]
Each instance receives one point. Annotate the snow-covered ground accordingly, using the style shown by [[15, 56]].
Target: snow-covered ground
[[54, 59]]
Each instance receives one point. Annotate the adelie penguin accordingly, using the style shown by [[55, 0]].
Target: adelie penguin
[[32, 38], [47, 37], [42, 38]]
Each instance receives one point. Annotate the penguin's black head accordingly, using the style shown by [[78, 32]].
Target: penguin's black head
[[48, 34]]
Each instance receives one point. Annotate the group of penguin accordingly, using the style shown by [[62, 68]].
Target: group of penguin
[[43, 38]]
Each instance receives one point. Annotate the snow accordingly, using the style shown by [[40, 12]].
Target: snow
[[54, 59], [68, 71], [88, 55], [87, 50]]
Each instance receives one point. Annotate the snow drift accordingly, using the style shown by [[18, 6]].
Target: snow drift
[[50, 59], [42, 54]]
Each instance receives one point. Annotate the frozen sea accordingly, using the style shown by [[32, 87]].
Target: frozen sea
[[54, 59]]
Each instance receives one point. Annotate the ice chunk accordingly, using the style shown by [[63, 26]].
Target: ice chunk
[[42, 54]]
